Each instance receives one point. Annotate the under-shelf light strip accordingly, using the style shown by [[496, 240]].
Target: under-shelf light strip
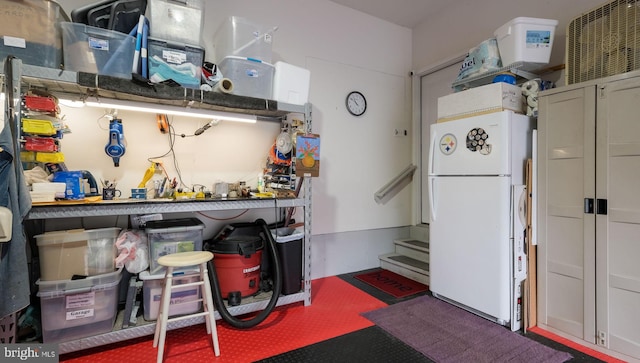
[[173, 110]]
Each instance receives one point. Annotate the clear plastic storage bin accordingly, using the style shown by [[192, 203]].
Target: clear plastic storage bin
[[74, 309], [250, 78], [96, 50], [240, 37], [80, 252], [29, 31], [184, 300], [176, 20], [172, 236], [170, 60]]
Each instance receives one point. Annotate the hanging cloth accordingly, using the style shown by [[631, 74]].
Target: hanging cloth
[[14, 194]]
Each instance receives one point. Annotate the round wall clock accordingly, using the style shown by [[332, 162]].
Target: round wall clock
[[356, 103]]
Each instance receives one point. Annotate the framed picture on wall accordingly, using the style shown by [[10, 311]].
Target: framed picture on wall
[[308, 155]]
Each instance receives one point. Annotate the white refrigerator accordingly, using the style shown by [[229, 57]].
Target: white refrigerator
[[476, 231]]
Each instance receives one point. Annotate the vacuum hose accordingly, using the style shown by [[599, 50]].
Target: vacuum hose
[[277, 287]]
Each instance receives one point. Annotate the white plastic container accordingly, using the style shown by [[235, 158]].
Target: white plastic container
[[291, 83], [176, 20], [184, 300], [250, 78], [528, 40], [240, 37], [64, 254], [74, 309]]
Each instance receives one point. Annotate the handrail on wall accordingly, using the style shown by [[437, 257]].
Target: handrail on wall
[[395, 185]]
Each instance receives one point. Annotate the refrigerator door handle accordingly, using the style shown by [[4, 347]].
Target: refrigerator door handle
[[432, 149], [430, 191], [432, 194]]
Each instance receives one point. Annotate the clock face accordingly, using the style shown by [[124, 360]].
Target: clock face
[[356, 103]]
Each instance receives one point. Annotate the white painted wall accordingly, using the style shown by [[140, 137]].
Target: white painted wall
[[470, 22], [344, 50]]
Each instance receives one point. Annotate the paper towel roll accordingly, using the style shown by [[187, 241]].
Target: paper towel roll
[[530, 87], [225, 85]]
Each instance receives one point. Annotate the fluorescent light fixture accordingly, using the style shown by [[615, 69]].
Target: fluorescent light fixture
[[172, 110]]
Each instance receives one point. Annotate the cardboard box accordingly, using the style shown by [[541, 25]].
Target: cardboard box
[[489, 98], [64, 254]]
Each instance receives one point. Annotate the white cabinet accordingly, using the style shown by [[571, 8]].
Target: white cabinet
[[589, 213]]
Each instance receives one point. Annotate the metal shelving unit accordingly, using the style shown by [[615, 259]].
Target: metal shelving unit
[[133, 206], [81, 85]]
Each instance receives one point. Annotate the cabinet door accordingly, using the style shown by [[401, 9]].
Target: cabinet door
[[618, 232], [566, 234]]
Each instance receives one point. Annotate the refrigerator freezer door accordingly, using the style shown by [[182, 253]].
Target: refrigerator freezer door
[[479, 145], [469, 237]]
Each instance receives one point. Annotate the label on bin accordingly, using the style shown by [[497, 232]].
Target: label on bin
[[99, 44], [81, 300], [538, 39], [174, 57], [79, 314], [14, 42]]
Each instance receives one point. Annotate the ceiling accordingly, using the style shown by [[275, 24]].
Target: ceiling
[[407, 13]]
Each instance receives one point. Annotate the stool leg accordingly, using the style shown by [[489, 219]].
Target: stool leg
[[209, 318], [205, 304], [163, 314]]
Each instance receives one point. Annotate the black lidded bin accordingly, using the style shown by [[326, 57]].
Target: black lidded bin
[[289, 245]]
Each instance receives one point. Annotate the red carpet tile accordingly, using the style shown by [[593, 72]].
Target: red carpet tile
[[594, 353], [335, 310], [392, 283]]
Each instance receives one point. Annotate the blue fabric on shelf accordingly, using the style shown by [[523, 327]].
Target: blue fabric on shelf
[[14, 271], [185, 74]]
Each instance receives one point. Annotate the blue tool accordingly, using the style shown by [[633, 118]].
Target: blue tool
[[115, 147]]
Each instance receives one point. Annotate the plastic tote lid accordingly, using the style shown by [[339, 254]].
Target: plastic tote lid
[[241, 245], [170, 224]]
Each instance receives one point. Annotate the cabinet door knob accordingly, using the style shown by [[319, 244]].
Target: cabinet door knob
[[588, 205], [601, 206]]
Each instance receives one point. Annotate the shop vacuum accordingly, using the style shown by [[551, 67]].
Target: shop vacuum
[[237, 269]]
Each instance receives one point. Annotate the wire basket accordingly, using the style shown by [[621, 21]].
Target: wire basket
[[8, 329]]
